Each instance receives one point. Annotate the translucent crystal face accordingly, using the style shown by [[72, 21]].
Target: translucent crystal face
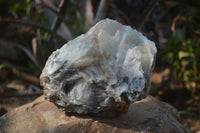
[[109, 64]]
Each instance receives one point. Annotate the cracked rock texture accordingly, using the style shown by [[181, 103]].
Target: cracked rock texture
[[41, 116], [103, 70]]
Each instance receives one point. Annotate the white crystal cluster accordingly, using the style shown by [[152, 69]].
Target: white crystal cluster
[[110, 64]]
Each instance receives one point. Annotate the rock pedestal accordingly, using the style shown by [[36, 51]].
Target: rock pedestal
[[147, 115]]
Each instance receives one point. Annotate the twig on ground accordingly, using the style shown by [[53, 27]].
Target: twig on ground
[[147, 14], [26, 76], [101, 12], [57, 21]]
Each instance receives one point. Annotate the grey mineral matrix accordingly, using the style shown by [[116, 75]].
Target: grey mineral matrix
[[103, 70]]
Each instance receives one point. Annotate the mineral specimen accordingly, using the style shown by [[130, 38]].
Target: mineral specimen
[[105, 69]]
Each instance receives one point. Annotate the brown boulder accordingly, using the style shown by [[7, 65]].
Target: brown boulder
[[147, 115]]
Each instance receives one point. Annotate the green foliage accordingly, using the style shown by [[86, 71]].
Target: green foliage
[[183, 48], [24, 9], [19, 8], [2, 66], [184, 56], [184, 112], [40, 54]]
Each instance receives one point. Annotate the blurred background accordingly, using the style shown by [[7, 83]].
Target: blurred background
[[30, 30]]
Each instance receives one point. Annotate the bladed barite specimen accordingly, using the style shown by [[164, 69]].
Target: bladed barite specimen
[[103, 70]]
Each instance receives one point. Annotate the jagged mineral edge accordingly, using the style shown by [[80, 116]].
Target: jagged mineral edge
[[104, 69]]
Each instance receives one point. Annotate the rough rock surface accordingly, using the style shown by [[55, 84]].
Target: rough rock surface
[[147, 115], [103, 70]]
